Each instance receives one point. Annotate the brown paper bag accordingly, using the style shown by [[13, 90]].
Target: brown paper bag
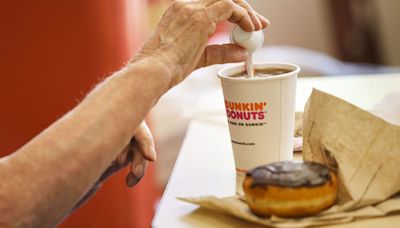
[[362, 148], [236, 207]]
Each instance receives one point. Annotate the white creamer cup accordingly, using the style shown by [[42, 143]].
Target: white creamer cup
[[260, 114]]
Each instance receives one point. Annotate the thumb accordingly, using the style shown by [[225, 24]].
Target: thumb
[[219, 54]]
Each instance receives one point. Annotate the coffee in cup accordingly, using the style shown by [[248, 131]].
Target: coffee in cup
[[265, 72]]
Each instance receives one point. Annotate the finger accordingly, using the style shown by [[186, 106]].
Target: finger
[[256, 22], [139, 166], [145, 141], [219, 54], [120, 162], [254, 18], [228, 10], [264, 21], [137, 170], [121, 158], [131, 180]]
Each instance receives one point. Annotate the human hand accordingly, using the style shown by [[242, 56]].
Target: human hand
[[179, 43], [137, 153]]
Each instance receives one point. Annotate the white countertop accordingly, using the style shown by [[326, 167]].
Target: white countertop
[[205, 163]]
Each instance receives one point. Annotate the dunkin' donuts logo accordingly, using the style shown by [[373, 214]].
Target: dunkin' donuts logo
[[246, 110]]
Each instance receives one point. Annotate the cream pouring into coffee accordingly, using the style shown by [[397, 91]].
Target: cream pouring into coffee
[[251, 41]]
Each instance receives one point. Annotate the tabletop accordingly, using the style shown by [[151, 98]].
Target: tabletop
[[205, 164]]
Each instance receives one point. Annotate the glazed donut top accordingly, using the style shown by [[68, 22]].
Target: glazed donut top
[[290, 174]]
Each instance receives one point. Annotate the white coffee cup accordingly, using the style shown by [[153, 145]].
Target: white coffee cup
[[260, 113]]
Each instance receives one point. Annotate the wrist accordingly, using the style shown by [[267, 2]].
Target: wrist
[[151, 74]]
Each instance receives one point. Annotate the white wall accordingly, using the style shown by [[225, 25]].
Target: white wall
[[304, 23], [307, 23]]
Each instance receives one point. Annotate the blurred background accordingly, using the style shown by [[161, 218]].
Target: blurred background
[[53, 52]]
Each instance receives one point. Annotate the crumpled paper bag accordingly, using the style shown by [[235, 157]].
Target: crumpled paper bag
[[298, 124], [362, 148], [235, 206]]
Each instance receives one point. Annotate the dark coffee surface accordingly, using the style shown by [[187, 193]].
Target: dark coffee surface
[[290, 174], [265, 72]]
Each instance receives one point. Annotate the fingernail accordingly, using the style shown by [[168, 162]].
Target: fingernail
[[131, 180], [138, 171]]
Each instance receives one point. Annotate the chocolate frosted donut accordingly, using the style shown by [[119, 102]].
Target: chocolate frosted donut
[[290, 188], [290, 174]]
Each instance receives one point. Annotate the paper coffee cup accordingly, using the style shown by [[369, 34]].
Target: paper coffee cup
[[260, 113]]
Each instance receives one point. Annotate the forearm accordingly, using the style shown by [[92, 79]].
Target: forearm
[[44, 179]]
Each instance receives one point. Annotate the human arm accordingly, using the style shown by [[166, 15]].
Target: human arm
[[139, 151], [45, 178]]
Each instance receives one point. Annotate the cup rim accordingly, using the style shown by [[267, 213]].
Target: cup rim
[[237, 68]]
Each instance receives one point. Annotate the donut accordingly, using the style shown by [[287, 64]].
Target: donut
[[290, 189]]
